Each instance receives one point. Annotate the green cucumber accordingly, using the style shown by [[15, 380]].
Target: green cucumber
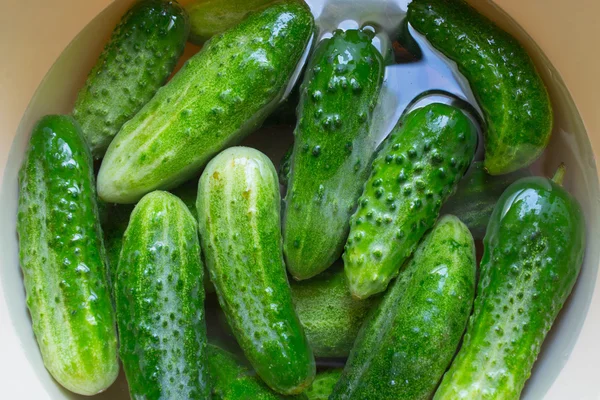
[[323, 384], [533, 251], [329, 314], [238, 212], [136, 62], [476, 196], [515, 103], [160, 302], [222, 94], [233, 380], [405, 346], [284, 167], [62, 258], [332, 152], [211, 17], [417, 168]]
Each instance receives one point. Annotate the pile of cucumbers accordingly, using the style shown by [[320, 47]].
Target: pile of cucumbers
[[369, 262]]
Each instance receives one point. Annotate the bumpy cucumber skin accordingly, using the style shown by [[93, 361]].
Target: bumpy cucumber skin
[[405, 346], [239, 218], [330, 316], [222, 94], [135, 63], [323, 384], [512, 95], [477, 194], [533, 251], [232, 380], [332, 152], [62, 258], [417, 168], [160, 302], [210, 17]]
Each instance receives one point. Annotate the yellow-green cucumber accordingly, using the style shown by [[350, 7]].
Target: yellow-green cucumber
[[239, 219], [62, 258], [222, 94], [407, 344]]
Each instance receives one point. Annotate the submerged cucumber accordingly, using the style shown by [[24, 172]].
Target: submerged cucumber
[[476, 196], [238, 212], [416, 170], [533, 251], [160, 302], [406, 345], [331, 317], [323, 384], [138, 59], [63, 260], [332, 150], [222, 94], [509, 90]]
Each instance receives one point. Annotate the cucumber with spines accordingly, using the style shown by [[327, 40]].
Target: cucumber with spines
[[222, 94], [408, 342], [136, 62], [323, 384], [239, 219], [333, 148], [63, 260], [416, 169], [160, 302]]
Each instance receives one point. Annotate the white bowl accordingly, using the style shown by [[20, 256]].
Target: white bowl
[[33, 35]]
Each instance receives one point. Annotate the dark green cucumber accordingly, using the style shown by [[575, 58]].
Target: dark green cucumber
[[476, 196], [238, 212], [160, 302], [533, 251], [508, 88], [333, 148], [138, 59], [222, 94], [405, 346], [329, 314], [284, 167], [323, 384], [62, 258], [233, 380], [417, 168]]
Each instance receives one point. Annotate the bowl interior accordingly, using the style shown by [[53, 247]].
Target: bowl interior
[[56, 94]]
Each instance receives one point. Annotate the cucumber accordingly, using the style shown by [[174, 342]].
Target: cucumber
[[62, 258], [515, 103], [160, 302], [284, 167], [416, 170], [323, 384], [333, 148], [329, 314], [233, 380], [210, 17], [476, 196], [222, 94], [238, 212], [136, 62], [405, 346], [533, 251]]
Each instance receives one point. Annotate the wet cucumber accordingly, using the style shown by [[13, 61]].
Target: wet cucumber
[[138, 59], [329, 314], [233, 380], [533, 251], [160, 302], [508, 88], [62, 258], [405, 346], [417, 168], [222, 94], [476, 196], [323, 384], [333, 148], [210, 17], [238, 212]]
